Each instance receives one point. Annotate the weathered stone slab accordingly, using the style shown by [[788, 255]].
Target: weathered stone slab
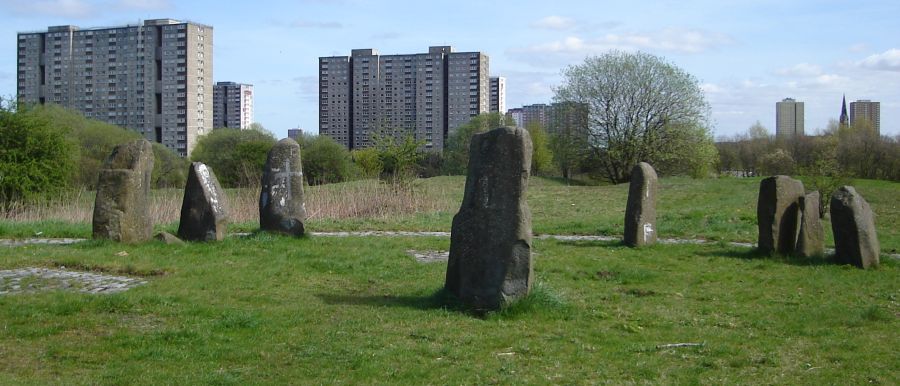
[[122, 206], [811, 239], [204, 211], [853, 224], [778, 214], [490, 240], [168, 238], [640, 212], [281, 206]]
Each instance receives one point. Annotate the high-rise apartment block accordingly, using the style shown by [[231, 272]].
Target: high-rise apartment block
[[427, 95], [295, 134], [868, 111], [789, 119], [232, 105], [498, 95], [517, 115], [154, 78]]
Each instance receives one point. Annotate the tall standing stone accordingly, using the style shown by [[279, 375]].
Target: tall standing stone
[[778, 214], [811, 239], [281, 207], [640, 213], [853, 224], [122, 207], [490, 243], [204, 211]]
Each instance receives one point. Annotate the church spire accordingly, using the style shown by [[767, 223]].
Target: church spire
[[845, 120]]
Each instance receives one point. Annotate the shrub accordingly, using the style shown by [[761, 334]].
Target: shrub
[[236, 156], [324, 160]]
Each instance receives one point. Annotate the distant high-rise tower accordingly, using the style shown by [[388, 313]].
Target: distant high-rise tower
[[295, 134], [845, 120], [866, 110], [498, 94], [427, 95], [788, 119], [154, 78], [232, 105], [517, 115]]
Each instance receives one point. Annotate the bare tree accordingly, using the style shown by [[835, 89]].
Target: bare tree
[[641, 108]]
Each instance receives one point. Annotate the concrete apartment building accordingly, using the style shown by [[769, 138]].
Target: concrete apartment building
[[553, 118], [154, 78], [789, 118], [866, 110], [427, 95], [498, 94], [232, 105]]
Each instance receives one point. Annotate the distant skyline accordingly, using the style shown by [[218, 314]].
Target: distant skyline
[[747, 55]]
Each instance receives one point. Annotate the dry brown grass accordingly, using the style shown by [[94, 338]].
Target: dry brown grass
[[367, 199]]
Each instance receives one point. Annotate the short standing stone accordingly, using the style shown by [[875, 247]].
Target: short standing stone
[[204, 213], [811, 239], [778, 214], [281, 207], [640, 213], [121, 207], [853, 224], [490, 243]]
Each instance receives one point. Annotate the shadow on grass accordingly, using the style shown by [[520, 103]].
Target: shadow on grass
[[756, 254], [541, 299]]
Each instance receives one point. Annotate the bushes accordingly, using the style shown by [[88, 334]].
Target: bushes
[[324, 160], [236, 156]]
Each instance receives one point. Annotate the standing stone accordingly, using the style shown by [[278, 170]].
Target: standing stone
[[204, 211], [811, 239], [490, 243], [281, 207], [122, 207], [640, 213], [853, 224], [778, 214]]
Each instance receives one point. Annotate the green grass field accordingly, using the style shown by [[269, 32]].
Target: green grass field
[[267, 309]]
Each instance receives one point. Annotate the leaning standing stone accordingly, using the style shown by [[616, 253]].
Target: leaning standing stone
[[204, 213], [640, 213], [811, 239], [853, 224], [281, 206], [778, 214], [490, 243], [122, 208]]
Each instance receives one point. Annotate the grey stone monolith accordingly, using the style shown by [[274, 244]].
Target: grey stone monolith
[[811, 238], [168, 238], [204, 210], [122, 204], [853, 224], [778, 214], [490, 242], [640, 212], [281, 207]]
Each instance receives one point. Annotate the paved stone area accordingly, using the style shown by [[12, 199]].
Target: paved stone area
[[429, 256], [37, 241], [30, 280]]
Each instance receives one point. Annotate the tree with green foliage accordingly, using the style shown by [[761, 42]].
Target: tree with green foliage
[[541, 155], [456, 152], [169, 169], [398, 152], [367, 162], [236, 156], [35, 157], [324, 160], [641, 108]]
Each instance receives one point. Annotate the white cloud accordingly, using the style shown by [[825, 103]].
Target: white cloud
[[885, 61], [711, 88], [802, 69], [554, 23], [672, 40]]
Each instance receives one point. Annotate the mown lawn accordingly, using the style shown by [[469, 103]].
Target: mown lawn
[[321, 310]]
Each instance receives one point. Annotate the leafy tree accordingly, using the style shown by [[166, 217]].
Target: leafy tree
[[169, 169], [641, 108], [368, 162], [541, 155], [324, 160], [35, 157], [398, 153], [236, 156], [456, 154]]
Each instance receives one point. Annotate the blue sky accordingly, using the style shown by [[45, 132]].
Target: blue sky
[[746, 54]]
